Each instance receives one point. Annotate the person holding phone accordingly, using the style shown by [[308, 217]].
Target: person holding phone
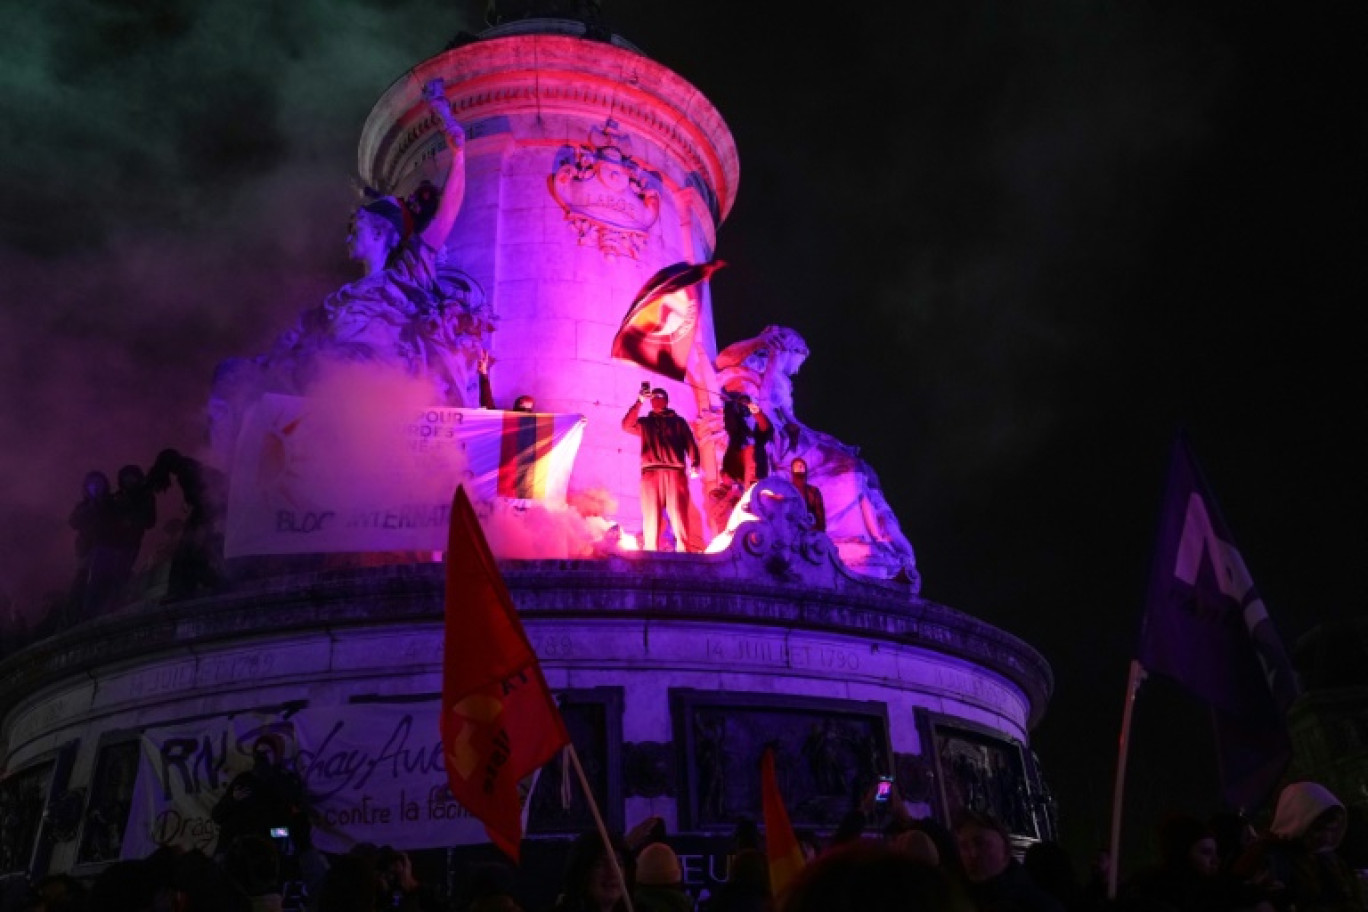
[[668, 449], [267, 800]]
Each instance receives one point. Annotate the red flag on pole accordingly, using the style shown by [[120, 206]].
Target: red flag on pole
[[499, 722], [781, 845], [659, 328]]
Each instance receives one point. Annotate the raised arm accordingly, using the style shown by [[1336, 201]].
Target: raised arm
[[453, 191], [486, 391], [631, 422]]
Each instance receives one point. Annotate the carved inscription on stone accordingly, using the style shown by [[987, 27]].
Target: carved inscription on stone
[[230, 669], [165, 679], [766, 651]]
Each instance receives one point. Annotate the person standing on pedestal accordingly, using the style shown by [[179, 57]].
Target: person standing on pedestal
[[811, 494], [523, 403], [97, 554], [668, 449], [749, 431]]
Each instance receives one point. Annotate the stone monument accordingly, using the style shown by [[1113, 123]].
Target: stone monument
[[561, 169]]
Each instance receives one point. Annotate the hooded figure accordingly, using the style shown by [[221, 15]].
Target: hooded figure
[[660, 881], [1299, 856]]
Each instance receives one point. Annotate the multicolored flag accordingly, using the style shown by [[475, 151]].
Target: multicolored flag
[[659, 328], [1206, 628], [781, 844], [527, 470], [499, 722]]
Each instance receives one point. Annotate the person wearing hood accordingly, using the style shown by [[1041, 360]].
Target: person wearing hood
[[668, 449], [660, 881], [749, 431], [1298, 859], [811, 494]]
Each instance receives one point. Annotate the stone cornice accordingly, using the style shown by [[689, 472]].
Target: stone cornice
[[546, 74], [642, 586]]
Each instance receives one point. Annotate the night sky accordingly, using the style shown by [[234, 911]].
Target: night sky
[[1025, 242]]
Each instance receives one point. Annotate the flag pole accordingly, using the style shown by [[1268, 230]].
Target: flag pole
[[1136, 676], [598, 822]]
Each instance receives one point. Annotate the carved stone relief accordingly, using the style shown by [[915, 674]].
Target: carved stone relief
[[609, 199]]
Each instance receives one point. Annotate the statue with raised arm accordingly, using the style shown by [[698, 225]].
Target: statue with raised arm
[[858, 517], [408, 309]]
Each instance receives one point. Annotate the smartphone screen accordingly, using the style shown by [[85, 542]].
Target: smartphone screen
[[885, 788]]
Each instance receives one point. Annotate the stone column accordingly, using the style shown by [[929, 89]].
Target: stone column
[[590, 167]]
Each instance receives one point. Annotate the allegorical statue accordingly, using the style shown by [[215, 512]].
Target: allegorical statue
[[858, 517], [409, 310]]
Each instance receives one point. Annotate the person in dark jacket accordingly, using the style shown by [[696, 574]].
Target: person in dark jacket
[[592, 882], [198, 559], [749, 430], [811, 494], [1298, 859], [669, 458], [523, 403], [997, 881], [869, 876], [1188, 876], [97, 555], [135, 511], [748, 885]]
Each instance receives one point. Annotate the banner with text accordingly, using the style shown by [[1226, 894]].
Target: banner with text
[[369, 772], [311, 476]]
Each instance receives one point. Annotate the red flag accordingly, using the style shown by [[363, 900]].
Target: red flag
[[781, 845], [499, 722], [659, 328]]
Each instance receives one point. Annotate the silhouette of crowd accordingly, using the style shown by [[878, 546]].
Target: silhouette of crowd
[[110, 524], [1297, 863]]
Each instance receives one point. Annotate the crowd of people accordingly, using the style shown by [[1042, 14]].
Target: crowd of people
[[1298, 863], [110, 524], [670, 457]]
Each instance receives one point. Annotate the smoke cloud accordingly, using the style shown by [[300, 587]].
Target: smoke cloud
[[175, 184]]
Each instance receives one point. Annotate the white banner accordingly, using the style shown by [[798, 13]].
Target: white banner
[[371, 773], [312, 476]]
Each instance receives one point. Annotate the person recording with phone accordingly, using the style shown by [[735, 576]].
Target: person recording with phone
[[668, 449], [267, 800]]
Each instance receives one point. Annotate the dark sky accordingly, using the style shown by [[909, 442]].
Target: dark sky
[[1026, 242]]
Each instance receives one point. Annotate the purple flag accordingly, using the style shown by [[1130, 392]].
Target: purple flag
[[1206, 628]]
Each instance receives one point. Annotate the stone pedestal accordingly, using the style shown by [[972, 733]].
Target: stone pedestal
[[589, 168]]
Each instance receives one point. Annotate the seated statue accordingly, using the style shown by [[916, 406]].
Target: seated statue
[[858, 518], [409, 310]]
